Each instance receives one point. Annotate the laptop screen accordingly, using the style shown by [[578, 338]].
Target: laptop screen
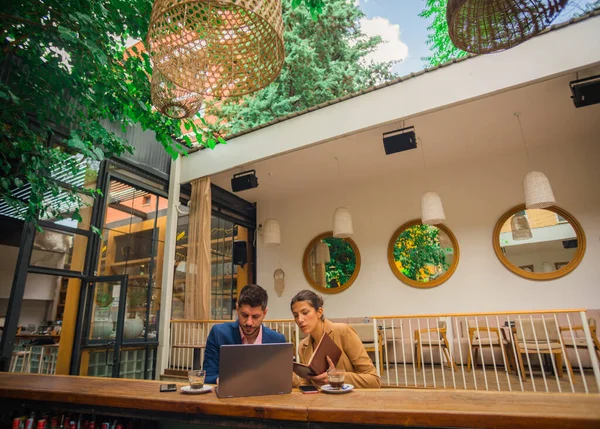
[[255, 370]]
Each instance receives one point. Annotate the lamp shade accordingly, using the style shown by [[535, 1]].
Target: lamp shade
[[538, 192], [323, 256], [482, 26], [342, 223], [520, 227], [172, 100], [271, 233], [432, 211], [222, 48], [547, 267]]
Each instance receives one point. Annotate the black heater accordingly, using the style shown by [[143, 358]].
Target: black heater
[[399, 140], [244, 180]]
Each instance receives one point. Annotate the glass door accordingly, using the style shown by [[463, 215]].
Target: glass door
[[105, 305]]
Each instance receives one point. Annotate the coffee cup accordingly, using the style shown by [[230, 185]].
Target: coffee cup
[[196, 378], [335, 378]]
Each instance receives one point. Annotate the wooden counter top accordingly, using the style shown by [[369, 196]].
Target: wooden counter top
[[402, 407]]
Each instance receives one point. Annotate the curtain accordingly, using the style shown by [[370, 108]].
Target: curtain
[[198, 276]]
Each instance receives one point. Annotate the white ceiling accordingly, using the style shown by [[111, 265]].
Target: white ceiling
[[465, 133]]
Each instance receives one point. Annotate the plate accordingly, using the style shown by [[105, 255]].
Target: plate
[[346, 388], [188, 389]]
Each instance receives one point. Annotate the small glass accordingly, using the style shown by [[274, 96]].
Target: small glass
[[335, 377], [196, 378]]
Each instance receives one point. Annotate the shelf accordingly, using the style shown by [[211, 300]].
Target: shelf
[[130, 262]]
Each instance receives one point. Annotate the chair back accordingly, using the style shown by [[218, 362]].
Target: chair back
[[528, 331], [364, 331]]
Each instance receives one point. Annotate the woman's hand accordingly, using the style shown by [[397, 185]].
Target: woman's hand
[[321, 379]]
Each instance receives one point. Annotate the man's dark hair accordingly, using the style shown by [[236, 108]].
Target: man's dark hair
[[254, 296]]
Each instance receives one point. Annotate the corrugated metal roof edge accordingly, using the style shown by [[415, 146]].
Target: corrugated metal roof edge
[[390, 83]]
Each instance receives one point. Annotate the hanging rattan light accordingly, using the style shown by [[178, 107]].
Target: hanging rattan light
[[483, 26], [172, 100], [537, 190], [342, 223], [520, 228], [271, 233], [219, 47]]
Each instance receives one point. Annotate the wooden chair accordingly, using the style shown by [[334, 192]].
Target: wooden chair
[[529, 336], [483, 337], [433, 337], [580, 342], [365, 333]]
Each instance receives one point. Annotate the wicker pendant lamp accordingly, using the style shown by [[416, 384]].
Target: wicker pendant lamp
[[323, 256], [537, 190], [219, 47], [342, 223], [483, 26], [520, 228], [172, 100]]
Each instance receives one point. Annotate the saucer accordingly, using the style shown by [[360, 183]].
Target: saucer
[[188, 389], [345, 389]]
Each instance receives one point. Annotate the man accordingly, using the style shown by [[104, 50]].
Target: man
[[248, 329]]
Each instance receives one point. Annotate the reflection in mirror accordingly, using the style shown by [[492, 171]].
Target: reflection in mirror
[[423, 255], [331, 264], [538, 243]]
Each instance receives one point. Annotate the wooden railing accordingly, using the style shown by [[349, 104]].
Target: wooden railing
[[513, 350], [188, 339], [537, 350]]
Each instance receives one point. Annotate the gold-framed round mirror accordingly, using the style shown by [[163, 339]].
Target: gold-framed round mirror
[[539, 244], [331, 264], [423, 256]]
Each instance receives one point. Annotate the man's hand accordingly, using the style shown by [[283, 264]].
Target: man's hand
[[321, 379]]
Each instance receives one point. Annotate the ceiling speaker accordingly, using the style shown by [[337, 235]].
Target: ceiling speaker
[[399, 140], [244, 180], [586, 91]]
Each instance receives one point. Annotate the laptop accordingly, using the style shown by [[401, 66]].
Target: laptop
[[255, 370]]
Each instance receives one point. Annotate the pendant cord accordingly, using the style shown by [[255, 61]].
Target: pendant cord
[[424, 163], [518, 115]]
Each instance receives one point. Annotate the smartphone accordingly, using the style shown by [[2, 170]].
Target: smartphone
[[168, 387], [309, 389]]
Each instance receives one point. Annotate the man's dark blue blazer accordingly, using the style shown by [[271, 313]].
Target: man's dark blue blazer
[[229, 333]]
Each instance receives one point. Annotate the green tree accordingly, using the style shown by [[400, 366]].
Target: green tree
[[342, 262], [64, 74], [416, 250], [324, 60], [441, 47]]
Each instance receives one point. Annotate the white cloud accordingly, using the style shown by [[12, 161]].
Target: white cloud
[[392, 48]]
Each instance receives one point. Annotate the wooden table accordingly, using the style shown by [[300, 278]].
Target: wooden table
[[392, 407]]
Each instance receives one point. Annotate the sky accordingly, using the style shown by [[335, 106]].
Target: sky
[[405, 33]]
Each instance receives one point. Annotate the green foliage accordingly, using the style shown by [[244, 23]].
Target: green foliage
[[438, 39], [417, 250], [324, 60], [64, 74], [342, 264], [315, 7]]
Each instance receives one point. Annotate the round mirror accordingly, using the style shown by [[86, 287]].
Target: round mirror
[[331, 264], [539, 244], [423, 255]]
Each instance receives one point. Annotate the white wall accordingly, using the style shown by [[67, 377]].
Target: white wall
[[475, 193]]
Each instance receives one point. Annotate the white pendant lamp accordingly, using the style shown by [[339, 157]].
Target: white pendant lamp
[[342, 223], [520, 228], [547, 267], [271, 233], [323, 255], [537, 190], [432, 211]]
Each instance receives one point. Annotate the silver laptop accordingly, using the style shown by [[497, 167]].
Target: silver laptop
[[255, 370]]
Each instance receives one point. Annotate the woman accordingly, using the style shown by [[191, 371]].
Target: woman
[[307, 308]]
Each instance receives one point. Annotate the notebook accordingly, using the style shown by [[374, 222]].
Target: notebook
[[318, 361], [255, 370]]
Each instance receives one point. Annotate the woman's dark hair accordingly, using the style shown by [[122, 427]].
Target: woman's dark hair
[[312, 298], [254, 296]]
